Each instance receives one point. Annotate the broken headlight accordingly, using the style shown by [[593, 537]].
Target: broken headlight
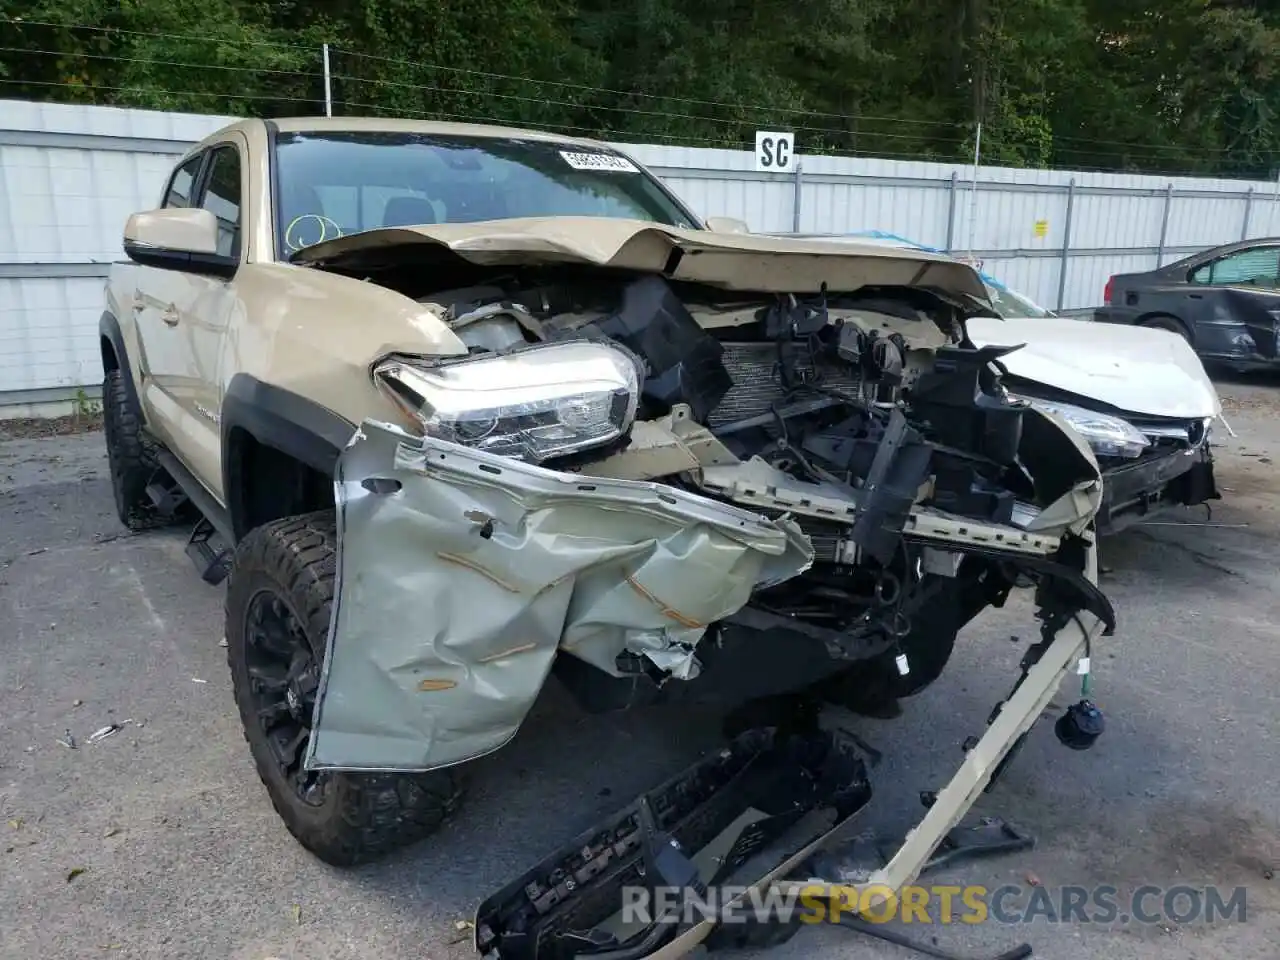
[[1108, 436], [534, 404]]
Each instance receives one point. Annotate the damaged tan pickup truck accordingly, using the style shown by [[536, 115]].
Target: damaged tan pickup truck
[[456, 408]]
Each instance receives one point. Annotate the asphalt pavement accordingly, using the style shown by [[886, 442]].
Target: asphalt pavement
[[158, 841]]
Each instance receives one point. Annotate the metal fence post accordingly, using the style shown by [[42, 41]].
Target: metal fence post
[[1164, 225], [328, 85], [973, 188], [795, 199], [951, 211], [1066, 242], [1248, 209]]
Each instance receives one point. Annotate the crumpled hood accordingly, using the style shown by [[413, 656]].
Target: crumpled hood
[[1133, 369], [751, 262]]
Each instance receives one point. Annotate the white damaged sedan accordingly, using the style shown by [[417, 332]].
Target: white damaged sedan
[[1140, 396]]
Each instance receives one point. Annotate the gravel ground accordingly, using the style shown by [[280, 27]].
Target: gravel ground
[[159, 841]]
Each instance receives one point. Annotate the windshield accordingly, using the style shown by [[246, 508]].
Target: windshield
[[334, 184], [1010, 305]]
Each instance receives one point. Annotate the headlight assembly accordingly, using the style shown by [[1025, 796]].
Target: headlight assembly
[[1108, 436], [534, 404]]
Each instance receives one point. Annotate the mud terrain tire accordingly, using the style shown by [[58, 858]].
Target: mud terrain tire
[[289, 566], [131, 456]]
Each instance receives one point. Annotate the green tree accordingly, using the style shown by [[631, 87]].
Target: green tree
[[1180, 86]]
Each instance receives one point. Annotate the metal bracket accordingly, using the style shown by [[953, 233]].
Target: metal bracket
[[854, 861]]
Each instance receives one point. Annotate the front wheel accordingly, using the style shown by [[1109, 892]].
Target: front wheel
[[279, 599]]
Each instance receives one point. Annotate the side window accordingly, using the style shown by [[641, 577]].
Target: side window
[[1259, 267], [182, 186], [222, 198]]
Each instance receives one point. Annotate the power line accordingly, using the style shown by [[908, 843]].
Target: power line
[[594, 133], [633, 111], [1172, 148], [1127, 144], [158, 92], [433, 89], [21, 21], [597, 133], [162, 63], [804, 111]]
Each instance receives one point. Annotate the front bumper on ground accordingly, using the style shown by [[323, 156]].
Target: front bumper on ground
[[754, 830], [1132, 492]]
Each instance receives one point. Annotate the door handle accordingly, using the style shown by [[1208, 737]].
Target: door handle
[[1195, 296], [138, 302], [170, 315]]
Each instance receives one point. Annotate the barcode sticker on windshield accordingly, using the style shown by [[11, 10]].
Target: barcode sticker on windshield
[[598, 161]]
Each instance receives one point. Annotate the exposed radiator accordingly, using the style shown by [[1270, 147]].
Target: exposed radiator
[[752, 367]]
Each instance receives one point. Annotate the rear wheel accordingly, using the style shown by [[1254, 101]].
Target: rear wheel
[[279, 600], [131, 456], [1172, 324]]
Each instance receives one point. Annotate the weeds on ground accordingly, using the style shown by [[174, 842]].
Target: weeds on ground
[[85, 417]]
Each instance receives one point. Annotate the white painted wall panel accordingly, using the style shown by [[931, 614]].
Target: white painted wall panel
[[1204, 222], [49, 333], [64, 198], [69, 206]]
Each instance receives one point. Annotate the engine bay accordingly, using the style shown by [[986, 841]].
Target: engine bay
[[869, 418]]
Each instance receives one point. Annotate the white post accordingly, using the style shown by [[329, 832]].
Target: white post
[[328, 89], [973, 188], [1271, 214]]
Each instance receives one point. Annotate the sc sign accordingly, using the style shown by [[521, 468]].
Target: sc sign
[[775, 152]]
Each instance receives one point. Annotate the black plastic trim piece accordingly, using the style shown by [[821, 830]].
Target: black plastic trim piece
[[201, 180], [207, 264], [277, 418], [109, 329], [1086, 594], [196, 493]]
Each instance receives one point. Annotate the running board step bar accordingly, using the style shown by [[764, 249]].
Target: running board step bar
[[209, 552]]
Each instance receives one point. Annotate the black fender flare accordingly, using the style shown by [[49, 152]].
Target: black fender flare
[[285, 421], [109, 330]]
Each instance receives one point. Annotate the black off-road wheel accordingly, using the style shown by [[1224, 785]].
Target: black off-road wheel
[[131, 456], [279, 599]]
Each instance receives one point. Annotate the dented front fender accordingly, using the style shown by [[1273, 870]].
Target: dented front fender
[[461, 575]]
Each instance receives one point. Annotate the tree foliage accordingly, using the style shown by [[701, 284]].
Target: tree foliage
[[1180, 86]]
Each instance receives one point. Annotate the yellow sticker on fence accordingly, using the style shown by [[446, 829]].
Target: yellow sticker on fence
[[1041, 229]]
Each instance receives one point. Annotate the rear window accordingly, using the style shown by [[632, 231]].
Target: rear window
[[1259, 266], [335, 184]]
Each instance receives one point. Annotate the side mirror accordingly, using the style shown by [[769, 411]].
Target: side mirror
[[177, 238], [727, 225]]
